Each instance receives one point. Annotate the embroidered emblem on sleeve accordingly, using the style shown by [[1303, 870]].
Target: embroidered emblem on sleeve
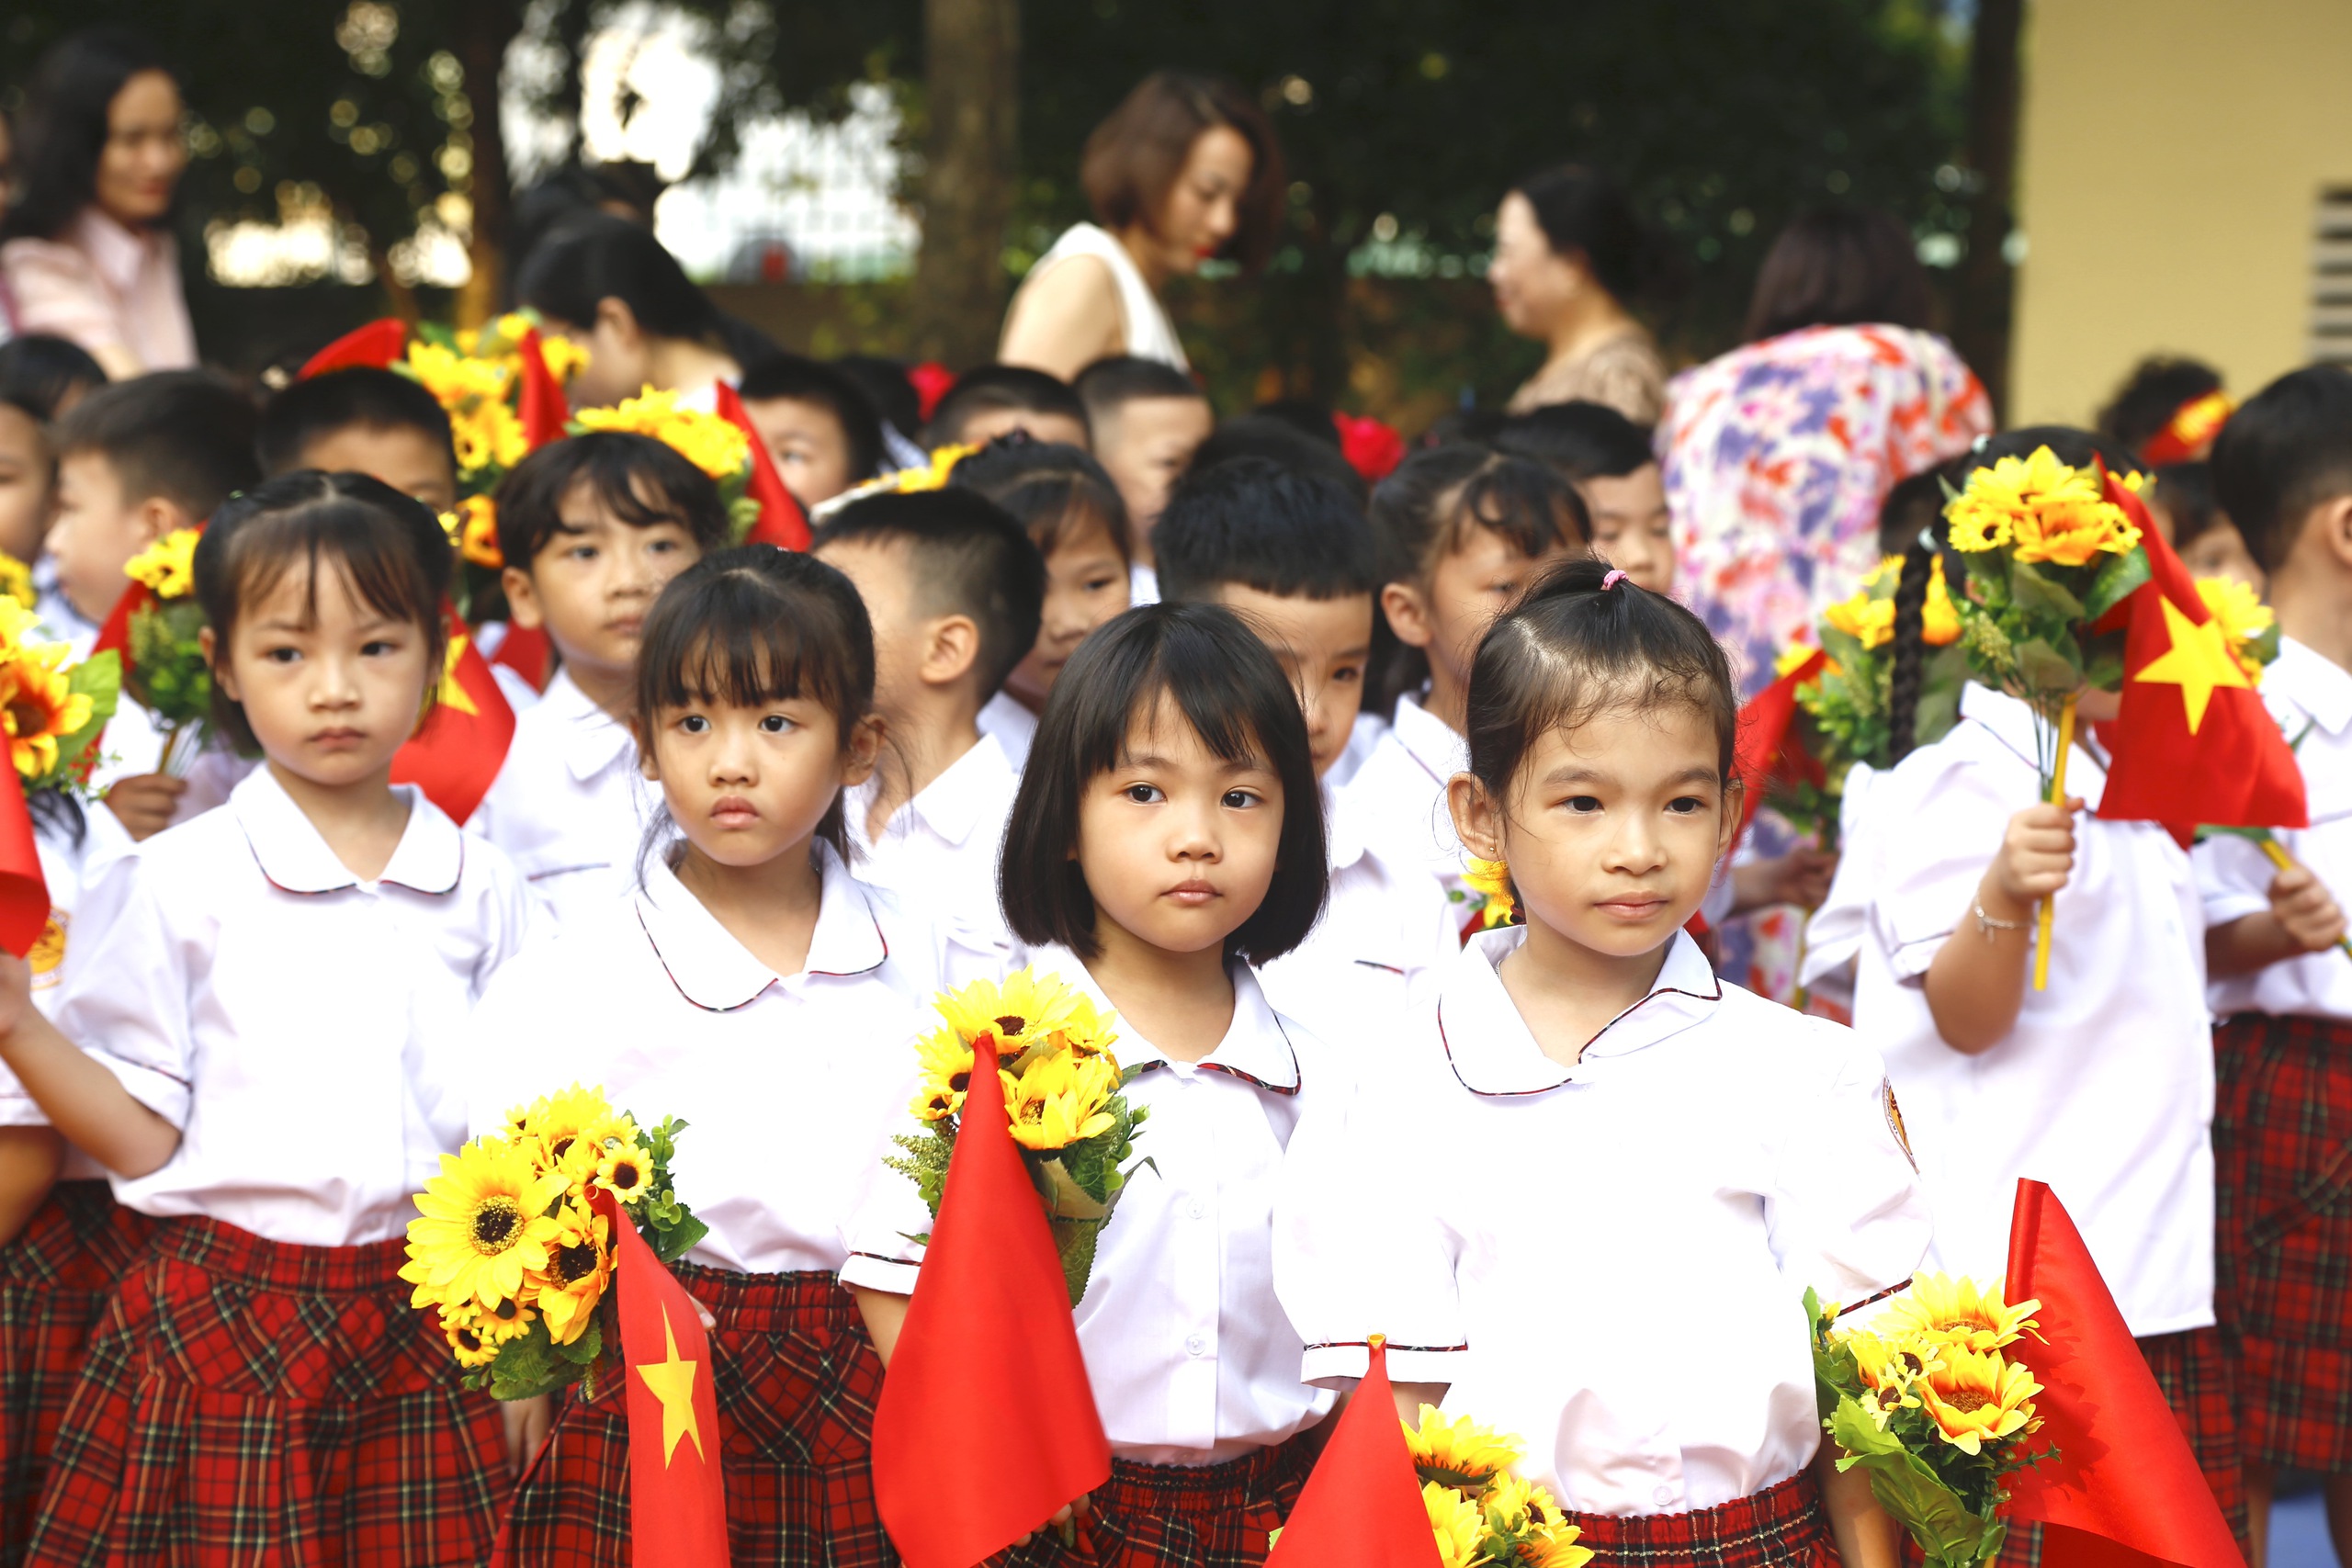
[[1895, 1121], [47, 952]]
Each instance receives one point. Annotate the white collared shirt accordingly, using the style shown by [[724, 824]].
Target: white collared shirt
[[2310, 697], [788, 1085], [1386, 939], [111, 289], [569, 807], [1014, 725], [1400, 796], [2104, 1087], [1835, 932], [938, 852], [1609, 1258], [62, 862], [303, 1029]]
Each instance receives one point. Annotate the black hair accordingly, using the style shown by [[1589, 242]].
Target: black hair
[[967, 556], [1309, 418], [1256, 524], [1281, 440], [595, 256], [1916, 505], [1202, 661], [612, 464], [1115, 380], [804, 380], [2286, 450], [1051, 487], [184, 435], [363, 396], [1578, 441], [886, 387], [1584, 212], [2184, 492], [2156, 390], [388, 545], [566, 194], [40, 374], [62, 130], [1835, 266], [753, 624], [985, 388]]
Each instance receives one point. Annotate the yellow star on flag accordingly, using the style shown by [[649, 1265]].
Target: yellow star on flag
[[672, 1382], [453, 696], [2197, 663]]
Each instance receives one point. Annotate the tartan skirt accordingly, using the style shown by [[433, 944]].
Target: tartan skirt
[[2283, 1154], [796, 1380], [54, 1282], [1782, 1525], [246, 1401], [1173, 1515]]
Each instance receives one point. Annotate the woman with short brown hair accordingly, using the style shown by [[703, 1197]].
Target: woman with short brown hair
[[1186, 169]]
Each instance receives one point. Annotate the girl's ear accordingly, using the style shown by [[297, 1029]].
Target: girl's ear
[[1734, 802], [613, 315], [1477, 816], [648, 763], [209, 646], [1409, 614], [860, 750], [522, 604]]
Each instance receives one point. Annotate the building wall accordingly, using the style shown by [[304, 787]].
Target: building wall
[[2172, 153]]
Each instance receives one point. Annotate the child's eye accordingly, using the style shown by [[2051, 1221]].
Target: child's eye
[[1144, 794], [775, 723], [695, 724], [378, 647], [1239, 799], [281, 655], [1101, 584], [661, 547], [1685, 804], [1583, 802], [1348, 673], [581, 553]]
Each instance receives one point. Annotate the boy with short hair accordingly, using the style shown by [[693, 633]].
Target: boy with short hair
[[817, 423], [1607, 457], [1147, 419], [137, 461], [1293, 557], [989, 400], [955, 589], [2282, 469], [363, 420], [592, 529]]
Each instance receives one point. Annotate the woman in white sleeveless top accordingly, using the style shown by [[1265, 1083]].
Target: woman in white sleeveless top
[[1186, 169]]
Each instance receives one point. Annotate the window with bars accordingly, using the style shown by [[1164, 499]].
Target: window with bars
[[2330, 339]]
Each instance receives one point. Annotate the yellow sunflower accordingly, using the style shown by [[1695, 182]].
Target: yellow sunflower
[[1058, 1100], [2243, 618], [488, 436], [1460, 1453], [2042, 509], [625, 1172], [168, 566], [1554, 1546], [475, 532], [17, 579], [482, 1225], [19, 622], [1025, 1010], [564, 357], [579, 1264], [1865, 617], [718, 447], [1939, 1308], [1888, 1370], [456, 379], [1977, 1399], [1458, 1525], [1492, 878], [475, 1334], [555, 1122], [37, 708]]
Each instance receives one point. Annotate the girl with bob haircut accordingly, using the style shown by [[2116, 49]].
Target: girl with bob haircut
[[1731, 1151], [261, 1044], [744, 932], [1186, 169], [1167, 838]]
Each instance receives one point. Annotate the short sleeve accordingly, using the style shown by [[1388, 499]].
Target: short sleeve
[[1925, 881], [883, 1213], [2233, 878], [58, 292], [1846, 1214], [126, 991]]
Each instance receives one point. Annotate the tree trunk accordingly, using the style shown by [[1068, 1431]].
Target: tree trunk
[[1987, 279], [484, 31], [971, 83]]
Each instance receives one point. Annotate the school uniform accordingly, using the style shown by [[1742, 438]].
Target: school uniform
[[2103, 1087], [260, 1377], [788, 1086], [1711, 1153], [1400, 791], [938, 853], [1363, 739], [2283, 1053], [1835, 932], [1015, 726], [569, 807]]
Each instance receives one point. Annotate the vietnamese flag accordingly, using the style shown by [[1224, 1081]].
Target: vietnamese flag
[[539, 401], [1762, 752], [458, 751], [2193, 746], [987, 1424], [782, 522], [1361, 1507], [2124, 1490], [24, 890], [378, 346]]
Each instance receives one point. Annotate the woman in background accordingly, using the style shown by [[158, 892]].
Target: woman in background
[[1569, 256]]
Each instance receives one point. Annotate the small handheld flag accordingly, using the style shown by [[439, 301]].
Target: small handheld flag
[[1361, 1507], [676, 1489], [782, 522], [24, 890], [458, 751]]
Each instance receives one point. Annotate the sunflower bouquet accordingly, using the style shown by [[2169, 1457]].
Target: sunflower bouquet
[[511, 1250], [716, 445], [1480, 1511], [1062, 1099], [1934, 1402], [53, 708], [167, 673]]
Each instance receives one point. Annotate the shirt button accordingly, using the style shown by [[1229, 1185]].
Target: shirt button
[[1196, 1208], [1197, 1344], [1663, 1495]]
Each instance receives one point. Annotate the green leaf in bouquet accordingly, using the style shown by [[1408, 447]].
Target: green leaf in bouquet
[[2043, 668], [1065, 1199], [2104, 670], [928, 1152], [1945, 1527], [742, 514], [2264, 647], [1942, 675], [2117, 581], [583, 1351], [1075, 1240], [527, 1366], [2039, 594]]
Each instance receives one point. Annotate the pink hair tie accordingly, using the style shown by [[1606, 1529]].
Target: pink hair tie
[[1612, 579]]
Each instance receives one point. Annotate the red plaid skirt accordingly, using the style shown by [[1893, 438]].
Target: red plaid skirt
[[54, 1280], [1170, 1515], [2282, 1153], [246, 1401], [1780, 1524], [796, 1380]]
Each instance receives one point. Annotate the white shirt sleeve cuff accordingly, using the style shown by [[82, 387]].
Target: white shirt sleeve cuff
[[159, 1092], [1334, 1366], [2221, 908], [889, 1275]]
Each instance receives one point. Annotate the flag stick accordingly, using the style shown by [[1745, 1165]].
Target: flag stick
[[2057, 797], [2285, 862]]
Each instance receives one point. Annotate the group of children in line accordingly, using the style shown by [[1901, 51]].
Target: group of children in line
[[1098, 707]]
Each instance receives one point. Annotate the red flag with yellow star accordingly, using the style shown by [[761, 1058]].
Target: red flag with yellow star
[[677, 1493], [462, 744], [2193, 746]]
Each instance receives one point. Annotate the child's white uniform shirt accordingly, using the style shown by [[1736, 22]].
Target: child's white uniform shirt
[[2310, 697], [1834, 936], [1014, 725], [788, 1084], [303, 1029], [1400, 792], [1609, 1258], [1363, 739], [62, 867], [1386, 939], [938, 853], [2104, 1088], [569, 807]]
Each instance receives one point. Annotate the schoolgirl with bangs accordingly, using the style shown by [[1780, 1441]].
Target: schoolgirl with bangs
[[258, 1036], [1622, 1103], [1168, 837], [749, 985]]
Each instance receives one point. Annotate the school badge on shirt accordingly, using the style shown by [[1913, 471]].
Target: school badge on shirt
[[48, 954], [1895, 1121]]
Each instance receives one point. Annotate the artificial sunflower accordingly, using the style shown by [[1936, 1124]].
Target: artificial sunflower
[[579, 1265], [473, 528], [475, 1334], [19, 622], [555, 1122], [1459, 1453], [1554, 1546], [1865, 617], [1061, 1099], [39, 708], [458, 380], [2246, 621], [482, 1225], [167, 567], [17, 579], [1942, 1309], [1976, 1399], [488, 436], [715, 445], [563, 357], [1492, 878], [1025, 1010], [1458, 1525], [2042, 510], [625, 1172]]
